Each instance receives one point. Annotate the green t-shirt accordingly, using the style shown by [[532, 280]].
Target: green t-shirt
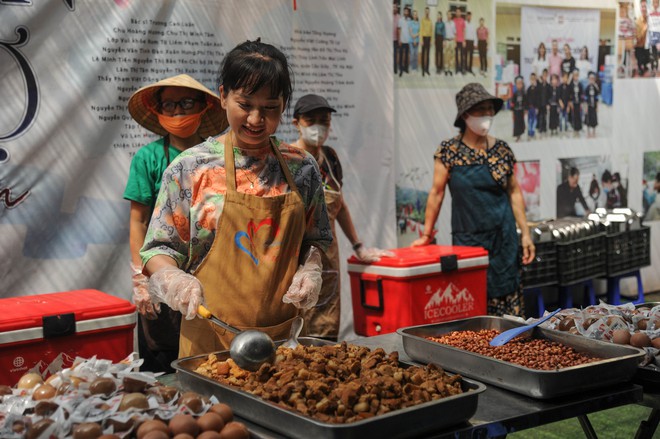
[[146, 172]]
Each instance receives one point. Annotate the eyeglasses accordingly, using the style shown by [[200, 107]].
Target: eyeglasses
[[185, 104]]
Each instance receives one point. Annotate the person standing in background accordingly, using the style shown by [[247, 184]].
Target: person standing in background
[[426, 32], [439, 44], [532, 99], [544, 97], [395, 36], [540, 60], [568, 63], [591, 96], [459, 23], [450, 44], [641, 40], [518, 105], [414, 43], [185, 113], [554, 108], [575, 103], [554, 60], [568, 194], [470, 38], [404, 42], [583, 65], [626, 39], [564, 98], [482, 46], [312, 117], [654, 37]]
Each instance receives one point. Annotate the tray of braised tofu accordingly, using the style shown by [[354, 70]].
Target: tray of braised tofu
[[335, 390], [541, 363]]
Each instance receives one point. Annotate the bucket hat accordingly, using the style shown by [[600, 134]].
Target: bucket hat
[[471, 95], [143, 103]]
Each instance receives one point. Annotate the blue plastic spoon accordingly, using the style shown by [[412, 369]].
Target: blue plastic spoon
[[510, 334]]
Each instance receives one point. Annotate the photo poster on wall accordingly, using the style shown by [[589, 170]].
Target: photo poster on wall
[[528, 174], [587, 183], [638, 37], [67, 139], [651, 186]]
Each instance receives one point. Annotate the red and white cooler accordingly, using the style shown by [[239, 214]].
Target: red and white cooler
[[44, 333], [420, 285]]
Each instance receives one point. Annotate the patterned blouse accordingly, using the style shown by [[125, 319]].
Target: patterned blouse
[[192, 196], [498, 157]]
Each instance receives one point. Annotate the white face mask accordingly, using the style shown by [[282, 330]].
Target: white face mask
[[479, 125], [314, 135]]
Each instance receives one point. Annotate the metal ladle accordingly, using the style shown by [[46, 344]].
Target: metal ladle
[[250, 348]]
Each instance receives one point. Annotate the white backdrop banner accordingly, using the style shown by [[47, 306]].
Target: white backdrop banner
[[66, 137], [576, 27]]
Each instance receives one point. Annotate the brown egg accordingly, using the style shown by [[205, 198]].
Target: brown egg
[[109, 436], [5, 390], [133, 400], [119, 425], [209, 435], [132, 385], [621, 336], [44, 391], [151, 425], [183, 436], [184, 424], [656, 342], [566, 323], [18, 426], [87, 430], [588, 322], [224, 411], [29, 381], [156, 434], [642, 324], [640, 340], [35, 430], [210, 422], [103, 386], [235, 430], [45, 408]]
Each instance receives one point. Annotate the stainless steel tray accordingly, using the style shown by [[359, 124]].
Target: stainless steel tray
[[619, 362], [407, 422]]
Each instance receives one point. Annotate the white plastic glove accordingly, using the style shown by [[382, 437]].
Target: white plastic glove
[[306, 285], [141, 297], [178, 289], [370, 255]]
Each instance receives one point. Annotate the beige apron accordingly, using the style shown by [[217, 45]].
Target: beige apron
[[323, 319], [250, 265]]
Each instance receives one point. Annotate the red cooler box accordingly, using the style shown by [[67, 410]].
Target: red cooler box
[[44, 333], [421, 285]]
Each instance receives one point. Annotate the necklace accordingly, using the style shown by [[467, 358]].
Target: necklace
[[247, 175]]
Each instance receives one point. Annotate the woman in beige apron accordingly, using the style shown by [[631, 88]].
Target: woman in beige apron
[[236, 214], [312, 117]]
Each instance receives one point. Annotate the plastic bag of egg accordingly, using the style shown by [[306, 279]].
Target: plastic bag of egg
[[638, 326], [99, 399]]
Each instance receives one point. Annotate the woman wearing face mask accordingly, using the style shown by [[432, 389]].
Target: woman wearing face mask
[[487, 202], [185, 113], [312, 117]]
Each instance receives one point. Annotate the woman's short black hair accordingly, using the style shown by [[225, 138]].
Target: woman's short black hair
[[252, 65]]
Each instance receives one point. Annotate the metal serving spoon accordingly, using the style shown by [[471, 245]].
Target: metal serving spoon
[[510, 334], [296, 327], [250, 348]]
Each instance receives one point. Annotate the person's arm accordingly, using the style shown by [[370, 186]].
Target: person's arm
[[138, 223], [346, 223], [434, 202], [580, 198], [518, 207]]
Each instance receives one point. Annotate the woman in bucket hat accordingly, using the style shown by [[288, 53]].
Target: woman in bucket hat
[[487, 202], [185, 113]]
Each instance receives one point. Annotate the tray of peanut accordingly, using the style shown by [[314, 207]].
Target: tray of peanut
[[542, 364], [330, 390]]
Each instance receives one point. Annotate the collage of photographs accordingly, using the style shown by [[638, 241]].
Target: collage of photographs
[[554, 68]]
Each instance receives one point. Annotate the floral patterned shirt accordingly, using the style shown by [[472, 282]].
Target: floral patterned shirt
[[192, 194], [499, 158]]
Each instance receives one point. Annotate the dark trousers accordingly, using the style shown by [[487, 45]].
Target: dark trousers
[[404, 57], [426, 53], [460, 63], [482, 46], [439, 53], [396, 55], [467, 55]]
